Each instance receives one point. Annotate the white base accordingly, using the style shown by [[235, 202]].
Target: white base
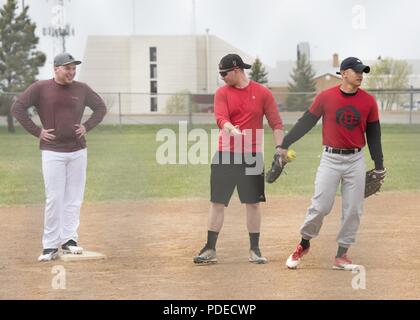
[[86, 255]]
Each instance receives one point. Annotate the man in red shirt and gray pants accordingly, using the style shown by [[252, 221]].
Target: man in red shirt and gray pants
[[348, 113], [60, 103], [239, 109]]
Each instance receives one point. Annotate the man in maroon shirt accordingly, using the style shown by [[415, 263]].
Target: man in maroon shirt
[[239, 109], [349, 119], [60, 103]]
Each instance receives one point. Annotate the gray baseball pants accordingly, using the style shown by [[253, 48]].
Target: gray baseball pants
[[350, 170]]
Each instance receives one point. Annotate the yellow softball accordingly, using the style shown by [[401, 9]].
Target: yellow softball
[[291, 155]]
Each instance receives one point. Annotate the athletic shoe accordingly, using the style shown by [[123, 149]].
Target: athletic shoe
[[71, 247], [206, 256], [48, 255], [344, 263], [256, 257], [294, 259]]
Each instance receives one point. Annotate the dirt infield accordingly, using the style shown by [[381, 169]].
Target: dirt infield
[[150, 247]]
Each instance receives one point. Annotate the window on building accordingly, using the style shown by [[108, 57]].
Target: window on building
[[153, 87], [153, 104], [153, 54], [153, 71]]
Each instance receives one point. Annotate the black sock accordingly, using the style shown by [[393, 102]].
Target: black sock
[[211, 239], [305, 244], [341, 251], [254, 239]]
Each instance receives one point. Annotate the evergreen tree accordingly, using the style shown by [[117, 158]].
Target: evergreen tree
[[19, 60], [303, 81], [258, 72]]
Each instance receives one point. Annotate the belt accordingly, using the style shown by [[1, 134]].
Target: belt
[[342, 151]]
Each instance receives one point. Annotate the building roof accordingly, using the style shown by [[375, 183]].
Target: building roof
[[326, 75]]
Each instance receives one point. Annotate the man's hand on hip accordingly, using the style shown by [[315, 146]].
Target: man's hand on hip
[[80, 131], [46, 135]]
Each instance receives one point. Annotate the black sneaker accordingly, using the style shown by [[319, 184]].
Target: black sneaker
[[72, 247], [48, 255]]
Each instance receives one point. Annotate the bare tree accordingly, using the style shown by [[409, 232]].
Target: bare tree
[[389, 74]]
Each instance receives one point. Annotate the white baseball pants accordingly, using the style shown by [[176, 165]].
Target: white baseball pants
[[64, 179], [350, 170]]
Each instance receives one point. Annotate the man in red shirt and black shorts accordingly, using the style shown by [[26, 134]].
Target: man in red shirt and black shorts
[[239, 109], [350, 117]]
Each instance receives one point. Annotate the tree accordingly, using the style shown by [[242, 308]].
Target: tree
[[178, 103], [19, 60], [303, 81], [389, 74], [258, 72]]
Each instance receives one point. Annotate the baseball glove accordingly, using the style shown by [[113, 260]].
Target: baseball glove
[[374, 181], [276, 169], [278, 164]]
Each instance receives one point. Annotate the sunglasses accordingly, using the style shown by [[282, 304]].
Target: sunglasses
[[224, 73]]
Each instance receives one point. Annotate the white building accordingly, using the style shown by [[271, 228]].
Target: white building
[[147, 70]]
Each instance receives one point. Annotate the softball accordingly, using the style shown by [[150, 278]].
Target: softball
[[291, 155]]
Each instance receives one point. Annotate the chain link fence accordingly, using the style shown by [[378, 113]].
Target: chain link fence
[[396, 106]]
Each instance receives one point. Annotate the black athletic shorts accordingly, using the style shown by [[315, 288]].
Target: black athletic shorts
[[244, 171]]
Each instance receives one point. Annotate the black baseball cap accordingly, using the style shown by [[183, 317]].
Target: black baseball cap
[[231, 61], [355, 64], [64, 59]]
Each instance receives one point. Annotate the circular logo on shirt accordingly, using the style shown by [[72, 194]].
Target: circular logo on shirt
[[348, 117]]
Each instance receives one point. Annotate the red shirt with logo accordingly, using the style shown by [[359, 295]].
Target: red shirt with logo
[[344, 117], [246, 108]]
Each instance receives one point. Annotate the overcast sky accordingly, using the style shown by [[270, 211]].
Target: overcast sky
[[269, 29]]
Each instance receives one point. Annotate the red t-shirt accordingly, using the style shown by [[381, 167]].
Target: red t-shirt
[[245, 108], [344, 117]]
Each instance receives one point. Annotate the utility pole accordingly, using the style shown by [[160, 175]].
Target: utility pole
[[134, 17], [208, 60], [194, 35], [59, 29]]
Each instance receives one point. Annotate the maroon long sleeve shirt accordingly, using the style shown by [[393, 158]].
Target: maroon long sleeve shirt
[[60, 107]]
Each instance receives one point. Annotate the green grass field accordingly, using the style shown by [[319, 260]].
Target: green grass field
[[122, 166]]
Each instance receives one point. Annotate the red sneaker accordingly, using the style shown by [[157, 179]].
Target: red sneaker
[[294, 259], [344, 263]]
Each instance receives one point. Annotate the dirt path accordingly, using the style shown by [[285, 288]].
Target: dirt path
[[150, 247]]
